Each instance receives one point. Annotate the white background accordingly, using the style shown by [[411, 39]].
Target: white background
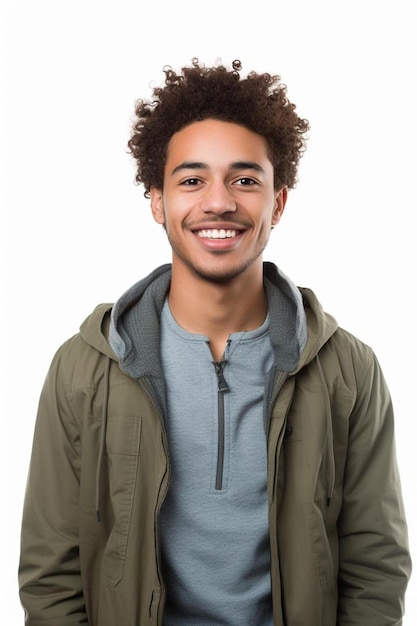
[[76, 231]]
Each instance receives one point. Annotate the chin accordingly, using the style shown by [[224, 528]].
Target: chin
[[220, 275]]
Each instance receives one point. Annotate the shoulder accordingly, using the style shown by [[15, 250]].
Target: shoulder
[[347, 361]]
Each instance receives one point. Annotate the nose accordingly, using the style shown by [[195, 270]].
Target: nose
[[218, 199]]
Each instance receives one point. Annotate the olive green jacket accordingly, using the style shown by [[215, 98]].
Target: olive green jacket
[[100, 469]]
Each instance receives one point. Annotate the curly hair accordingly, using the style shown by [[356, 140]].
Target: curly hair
[[257, 102]]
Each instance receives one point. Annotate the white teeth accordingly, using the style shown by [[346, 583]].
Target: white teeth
[[214, 233]]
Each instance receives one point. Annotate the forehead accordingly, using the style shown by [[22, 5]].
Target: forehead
[[214, 142]]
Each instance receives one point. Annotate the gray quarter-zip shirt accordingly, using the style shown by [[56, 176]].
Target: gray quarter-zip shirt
[[214, 522]]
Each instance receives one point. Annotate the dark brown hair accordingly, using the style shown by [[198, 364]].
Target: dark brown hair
[[258, 102]]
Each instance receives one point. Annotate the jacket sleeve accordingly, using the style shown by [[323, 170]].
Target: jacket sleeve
[[374, 558], [49, 570]]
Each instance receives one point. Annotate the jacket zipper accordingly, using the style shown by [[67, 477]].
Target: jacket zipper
[[149, 392], [280, 379], [222, 388]]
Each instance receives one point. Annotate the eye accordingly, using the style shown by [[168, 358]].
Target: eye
[[191, 182], [245, 181]]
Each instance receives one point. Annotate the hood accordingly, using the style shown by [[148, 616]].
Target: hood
[[112, 329], [321, 326], [298, 322], [95, 330]]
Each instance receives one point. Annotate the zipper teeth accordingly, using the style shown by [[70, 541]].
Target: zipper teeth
[[222, 388], [220, 441]]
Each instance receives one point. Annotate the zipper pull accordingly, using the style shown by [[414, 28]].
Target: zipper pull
[[219, 367]]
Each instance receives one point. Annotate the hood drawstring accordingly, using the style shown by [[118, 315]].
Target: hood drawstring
[[102, 443], [329, 451]]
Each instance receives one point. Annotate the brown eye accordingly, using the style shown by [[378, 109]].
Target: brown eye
[[191, 181], [246, 181]]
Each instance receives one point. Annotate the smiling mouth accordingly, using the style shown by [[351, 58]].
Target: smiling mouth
[[218, 233]]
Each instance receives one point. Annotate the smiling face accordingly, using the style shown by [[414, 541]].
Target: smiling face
[[218, 202]]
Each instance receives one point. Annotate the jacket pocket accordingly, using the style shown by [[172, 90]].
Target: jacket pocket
[[123, 436]]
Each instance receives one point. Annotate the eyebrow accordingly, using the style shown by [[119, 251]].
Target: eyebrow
[[237, 165]]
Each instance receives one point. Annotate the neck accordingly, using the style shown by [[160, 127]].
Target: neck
[[218, 309]]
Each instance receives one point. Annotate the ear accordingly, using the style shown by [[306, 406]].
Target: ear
[[280, 202], [157, 206]]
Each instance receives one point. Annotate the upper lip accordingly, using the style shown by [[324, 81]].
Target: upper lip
[[218, 226]]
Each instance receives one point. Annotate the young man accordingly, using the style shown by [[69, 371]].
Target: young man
[[213, 449]]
